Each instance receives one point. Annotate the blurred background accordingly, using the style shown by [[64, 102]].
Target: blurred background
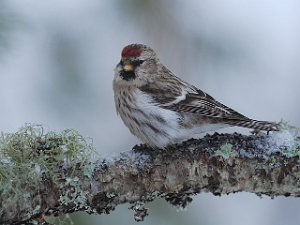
[[56, 68]]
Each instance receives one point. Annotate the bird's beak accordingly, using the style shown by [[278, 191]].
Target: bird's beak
[[128, 67]]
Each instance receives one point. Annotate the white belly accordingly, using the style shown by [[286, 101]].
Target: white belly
[[154, 125]]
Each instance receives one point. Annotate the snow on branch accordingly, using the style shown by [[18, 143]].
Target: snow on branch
[[50, 174]]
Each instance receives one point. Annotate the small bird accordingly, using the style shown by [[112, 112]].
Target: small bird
[[161, 109]]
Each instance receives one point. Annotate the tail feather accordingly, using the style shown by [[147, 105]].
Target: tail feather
[[254, 124]]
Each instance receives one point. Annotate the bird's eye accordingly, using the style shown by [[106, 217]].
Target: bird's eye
[[121, 63], [137, 62]]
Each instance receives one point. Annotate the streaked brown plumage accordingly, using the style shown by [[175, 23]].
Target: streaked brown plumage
[[161, 109]]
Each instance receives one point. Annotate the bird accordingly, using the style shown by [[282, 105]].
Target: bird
[[161, 109]]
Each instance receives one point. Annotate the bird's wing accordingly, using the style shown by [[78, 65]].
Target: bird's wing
[[200, 102], [187, 98]]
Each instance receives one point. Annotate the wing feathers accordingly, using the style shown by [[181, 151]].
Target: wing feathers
[[205, 105], [174, 94]]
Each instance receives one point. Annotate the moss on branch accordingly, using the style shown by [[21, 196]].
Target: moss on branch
[[52, 174]]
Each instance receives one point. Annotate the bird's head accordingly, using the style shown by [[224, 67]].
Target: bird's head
[[138, 65]]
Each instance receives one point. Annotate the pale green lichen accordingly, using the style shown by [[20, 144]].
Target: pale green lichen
[[111, 195], [75, 195], [291, 152], [88, 170], [255, 178], [272, 161], [226, 151], [31, 152]]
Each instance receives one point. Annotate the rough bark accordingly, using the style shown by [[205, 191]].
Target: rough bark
[[219, 164]]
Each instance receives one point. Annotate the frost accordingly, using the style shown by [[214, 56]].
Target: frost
[[286, 138]]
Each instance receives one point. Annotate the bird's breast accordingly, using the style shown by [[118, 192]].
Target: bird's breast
[[149, 122]]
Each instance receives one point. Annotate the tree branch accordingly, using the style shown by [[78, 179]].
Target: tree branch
[[219, 164]]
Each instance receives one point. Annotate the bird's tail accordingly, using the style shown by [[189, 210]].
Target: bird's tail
[[254, 124]]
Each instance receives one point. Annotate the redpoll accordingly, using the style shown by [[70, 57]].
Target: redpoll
[[161, 109]]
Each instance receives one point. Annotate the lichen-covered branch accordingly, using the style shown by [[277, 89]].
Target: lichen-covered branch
[[219, 164]]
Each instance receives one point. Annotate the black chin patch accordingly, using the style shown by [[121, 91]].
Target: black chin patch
[[127, 75]]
